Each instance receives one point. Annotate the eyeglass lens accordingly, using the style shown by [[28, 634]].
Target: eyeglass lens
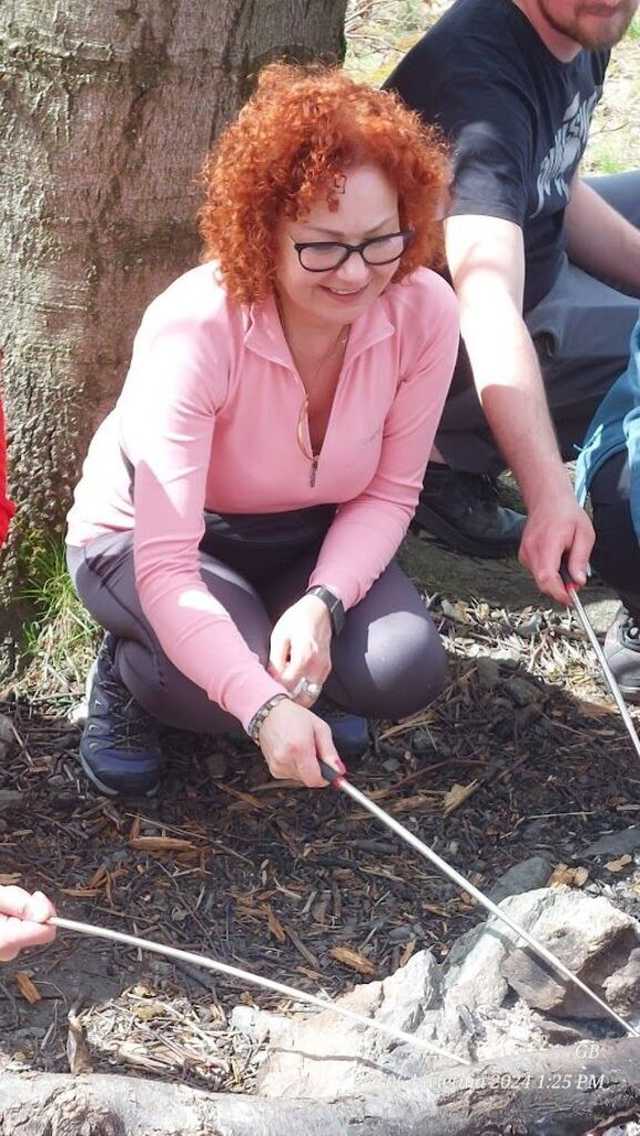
[[322, 255]]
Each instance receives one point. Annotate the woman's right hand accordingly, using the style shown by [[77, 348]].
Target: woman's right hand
[[293, 739]]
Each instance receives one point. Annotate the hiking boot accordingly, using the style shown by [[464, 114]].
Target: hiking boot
[[119, 747], [622, 649], [350, 732], [462, 509]]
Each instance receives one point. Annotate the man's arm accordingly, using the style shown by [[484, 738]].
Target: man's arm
[[600, 239], [486, 260]]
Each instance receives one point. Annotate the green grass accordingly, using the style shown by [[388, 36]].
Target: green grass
[[60, 638], [380, 32], [605, 160]]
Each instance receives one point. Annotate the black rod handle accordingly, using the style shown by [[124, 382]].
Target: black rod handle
[[329, 773], [565, 574]]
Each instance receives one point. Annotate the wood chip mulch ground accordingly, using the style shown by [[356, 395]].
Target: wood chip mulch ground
[[522, 755]]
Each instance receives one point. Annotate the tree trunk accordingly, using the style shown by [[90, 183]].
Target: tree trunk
[[546, 1093], [106, 113]]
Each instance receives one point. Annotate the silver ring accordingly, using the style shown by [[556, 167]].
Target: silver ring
[[304, 686]]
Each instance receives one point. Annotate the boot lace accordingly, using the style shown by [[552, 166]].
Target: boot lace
[[131, 728], [631, 628]]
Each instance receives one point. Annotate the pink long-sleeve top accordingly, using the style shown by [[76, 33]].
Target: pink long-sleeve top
[[207, 419]]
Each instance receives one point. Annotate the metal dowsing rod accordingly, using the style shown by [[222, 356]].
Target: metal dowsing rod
[[254, 979], [339, 781], [606, 669]]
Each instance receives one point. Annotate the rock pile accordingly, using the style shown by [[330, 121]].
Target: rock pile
[[491, 999]]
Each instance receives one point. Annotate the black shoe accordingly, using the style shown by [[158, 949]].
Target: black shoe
[[462, 509], [120, 747], [622, 649]]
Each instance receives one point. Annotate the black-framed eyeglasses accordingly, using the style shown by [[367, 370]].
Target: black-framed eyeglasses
[[322, 256]]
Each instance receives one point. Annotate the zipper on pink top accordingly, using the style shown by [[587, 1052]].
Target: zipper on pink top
[[308, 451], [307, 448]]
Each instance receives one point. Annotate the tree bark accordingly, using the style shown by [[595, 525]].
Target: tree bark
[[106, 113], [556, 1091]]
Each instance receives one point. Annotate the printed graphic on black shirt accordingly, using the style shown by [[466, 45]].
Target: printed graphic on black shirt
[[516, 116], [561, 161]]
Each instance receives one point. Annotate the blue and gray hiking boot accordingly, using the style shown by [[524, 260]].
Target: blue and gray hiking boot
[[350, 732], [120, 748], [622, 650]]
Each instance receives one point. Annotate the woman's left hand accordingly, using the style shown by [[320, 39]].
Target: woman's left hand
[[301, 649]]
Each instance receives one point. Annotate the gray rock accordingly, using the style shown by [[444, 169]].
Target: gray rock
[[400, 935], [557, 1033], [422, 742], [412, 990], [473, 970], [526, 876], [325, 1056], [622, 989], [589, 936], [615, 843], [592, 938], [488, 672], [464, 1007], [391, 764], [522, 691]]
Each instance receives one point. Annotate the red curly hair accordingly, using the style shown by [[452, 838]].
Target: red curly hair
[[293, 139]]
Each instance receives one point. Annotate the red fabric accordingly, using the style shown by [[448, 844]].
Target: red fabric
[[7, 508]]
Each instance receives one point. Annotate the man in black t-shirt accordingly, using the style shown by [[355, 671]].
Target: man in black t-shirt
[[546, 267]]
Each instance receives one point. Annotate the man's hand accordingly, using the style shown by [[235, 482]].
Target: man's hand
[[23, 921], [293, 740], [557, 526], [301, 648]]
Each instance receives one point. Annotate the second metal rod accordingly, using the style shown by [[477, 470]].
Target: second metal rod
[[606, 669], [339, 781], [248, 976]]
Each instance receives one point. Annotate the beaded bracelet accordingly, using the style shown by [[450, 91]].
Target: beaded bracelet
[[253, 729]]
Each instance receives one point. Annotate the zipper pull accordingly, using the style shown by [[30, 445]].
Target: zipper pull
[[314, 470]]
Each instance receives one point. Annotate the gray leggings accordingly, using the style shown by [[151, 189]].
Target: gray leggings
[[388, 661]]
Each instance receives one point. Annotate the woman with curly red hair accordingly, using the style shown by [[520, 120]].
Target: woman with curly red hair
[[239, 510]]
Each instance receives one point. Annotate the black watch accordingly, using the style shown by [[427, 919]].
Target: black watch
[[336, 609]]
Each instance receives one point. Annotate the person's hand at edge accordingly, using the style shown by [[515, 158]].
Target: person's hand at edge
[[23, 921], [557, 527]]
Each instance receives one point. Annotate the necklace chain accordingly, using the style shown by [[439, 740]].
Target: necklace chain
[[304, 409], [340, 343]]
